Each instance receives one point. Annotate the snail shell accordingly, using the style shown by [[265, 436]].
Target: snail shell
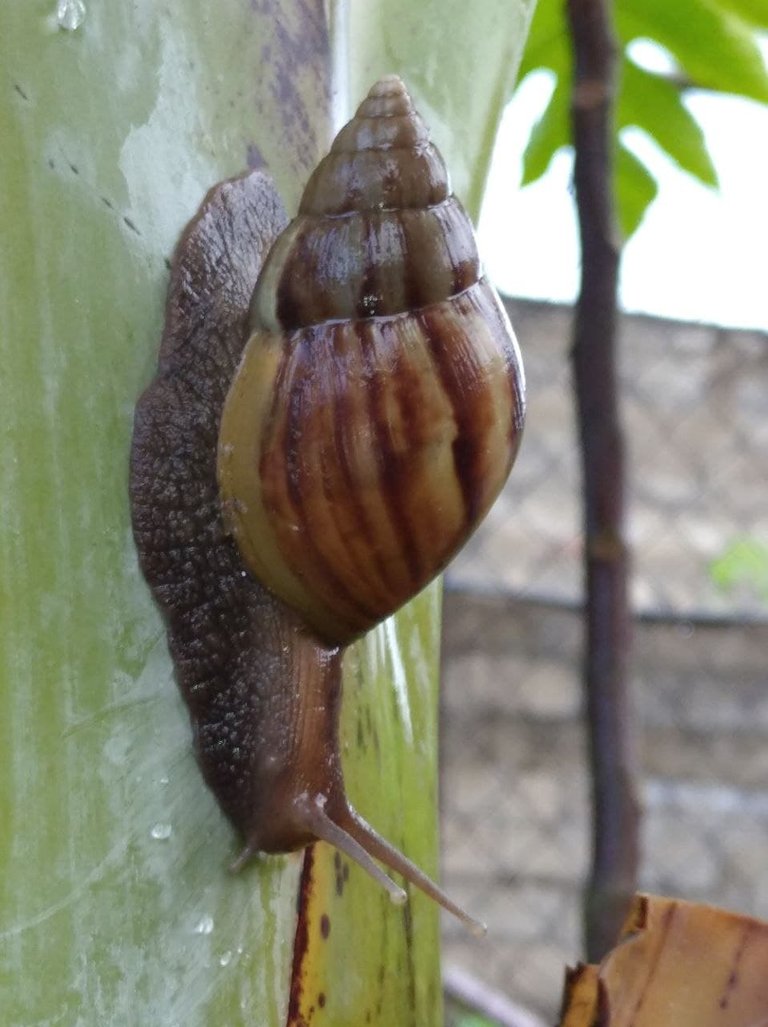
[[353, 382], [379, 403]]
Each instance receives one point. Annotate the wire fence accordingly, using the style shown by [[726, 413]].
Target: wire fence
[[515, 785]]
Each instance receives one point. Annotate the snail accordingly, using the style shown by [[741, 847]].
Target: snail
[[338, 401]]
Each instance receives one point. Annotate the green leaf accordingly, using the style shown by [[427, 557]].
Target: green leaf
[[655, 105], [716, 48], [714, 43], [635, 186], [755, 12], [743, 565], [636, 189], [550, 133]]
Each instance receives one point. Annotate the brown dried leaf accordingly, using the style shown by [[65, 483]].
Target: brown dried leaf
[[677, 964]]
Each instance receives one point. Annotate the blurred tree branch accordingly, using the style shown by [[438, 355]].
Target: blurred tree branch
[[615, 809]]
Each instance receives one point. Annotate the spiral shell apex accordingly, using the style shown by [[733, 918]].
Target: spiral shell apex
[[379, 403]]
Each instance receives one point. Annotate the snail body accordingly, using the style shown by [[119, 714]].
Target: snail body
[[374, 406]]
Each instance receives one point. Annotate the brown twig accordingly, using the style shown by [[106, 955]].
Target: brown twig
[[615, 808]]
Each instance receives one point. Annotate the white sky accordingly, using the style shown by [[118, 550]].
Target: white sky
[[698, 255]]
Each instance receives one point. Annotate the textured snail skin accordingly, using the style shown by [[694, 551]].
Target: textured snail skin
[[229, 638], [359, 383]]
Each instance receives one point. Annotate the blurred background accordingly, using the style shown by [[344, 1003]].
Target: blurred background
[[693, 364]]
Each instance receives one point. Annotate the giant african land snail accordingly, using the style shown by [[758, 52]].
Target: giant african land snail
[[363, 404]]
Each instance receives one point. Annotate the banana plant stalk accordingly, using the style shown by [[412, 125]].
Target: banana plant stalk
[[115, 120]]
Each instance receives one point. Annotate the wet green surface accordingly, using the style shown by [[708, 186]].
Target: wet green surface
[[112, 853]]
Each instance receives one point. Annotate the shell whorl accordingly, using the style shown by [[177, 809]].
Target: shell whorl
[[379, 404], [378, 231]]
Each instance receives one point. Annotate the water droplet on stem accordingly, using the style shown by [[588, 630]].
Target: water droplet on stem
[[70, 14]]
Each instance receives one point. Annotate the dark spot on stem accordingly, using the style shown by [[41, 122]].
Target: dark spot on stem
[[341, 872], [254, 157]]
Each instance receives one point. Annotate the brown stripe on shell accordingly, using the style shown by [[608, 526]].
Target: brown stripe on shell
[[388, 462], [273, 453], [371, 571], [304, 481], [431, 501], [499, 326], [457, 363], [371, 264], [376, 180], [389, 480], [290, 484], [461, 246], [440, 254], [319, 277], [415, 430], [394, 451], [375, 568], [351, 408], [381, 159], [417, 417], [382, 288]]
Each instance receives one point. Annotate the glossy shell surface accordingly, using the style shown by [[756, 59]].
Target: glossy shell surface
[[379, 403]]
